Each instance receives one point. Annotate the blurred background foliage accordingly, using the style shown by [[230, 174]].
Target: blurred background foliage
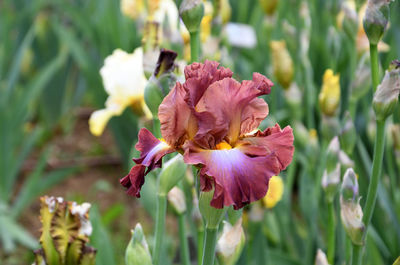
[[50, 56]]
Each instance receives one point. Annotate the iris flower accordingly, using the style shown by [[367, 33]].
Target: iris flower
[[124, 81], [212, 120]]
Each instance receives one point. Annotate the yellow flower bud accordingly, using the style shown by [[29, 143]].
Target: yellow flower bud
[[269, 6], [205, 25], [282, 63], [329, 97], [275, 192]]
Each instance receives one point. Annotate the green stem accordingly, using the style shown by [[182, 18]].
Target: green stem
[[160, 227], [185, 256], [200, 243], [356, 257], [194, 46], [331, 232], [373, 186], [376, 171], [373, 50], [209, 246]]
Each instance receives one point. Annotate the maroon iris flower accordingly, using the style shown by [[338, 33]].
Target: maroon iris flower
[[213, 119]]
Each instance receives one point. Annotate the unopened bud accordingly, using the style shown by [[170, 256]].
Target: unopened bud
[[301, 135], [330, 127], [351, 215], [348, 18], [349, 190], [387, 93], [162, 79], [231, 243], [320, 258], [350, 209], [362, 81], [176, 198], [137, 252], [348, 135], [173, 171], [269, 6], [211, 216], [345, 160], [332, 154], [330, 182], [192, 12], [376, 19], [282, 63], [329, 97]]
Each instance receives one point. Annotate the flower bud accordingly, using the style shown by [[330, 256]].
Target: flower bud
[[320, 258], [376, 19], [351, 215], [348, 135], [329, 97], [330, 127], [350, 209], [293, 97], [161, 80], [192, 12], [132, 8], [387, 93], [348, 19], [224, 11], [172, 172], [345, 160], [301, 135], [349, 190], [330, 182], [282, 63], [231, 243], [137, 252], [176, 198], [212, 216], [332, 154], [274, 193], [361, 84], [269, 6], [395, 130]]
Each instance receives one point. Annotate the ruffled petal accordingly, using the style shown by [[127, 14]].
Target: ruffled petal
[[277, 141], [175, 117], [152, 151], [177, 113], [98, 121], [238, 175], [228, 108], [200, 76]]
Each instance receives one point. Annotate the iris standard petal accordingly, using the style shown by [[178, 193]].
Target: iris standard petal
[[152, 151], [177, 111], [238, 175], [277, 141], [232, 107]]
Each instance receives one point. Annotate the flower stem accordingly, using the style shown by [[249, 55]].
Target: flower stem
[[200, 243], [377, 160], [373, 187], [373, 50], [194, 46], [160, 227], [331, 232], [185, 256], [209, 246], [376, 171]]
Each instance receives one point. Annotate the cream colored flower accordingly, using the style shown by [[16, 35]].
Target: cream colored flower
[[124, 81]]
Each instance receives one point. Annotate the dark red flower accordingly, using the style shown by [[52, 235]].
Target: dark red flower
[[213, 119]]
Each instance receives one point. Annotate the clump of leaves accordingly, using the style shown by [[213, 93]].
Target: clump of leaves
[[65, 231]]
